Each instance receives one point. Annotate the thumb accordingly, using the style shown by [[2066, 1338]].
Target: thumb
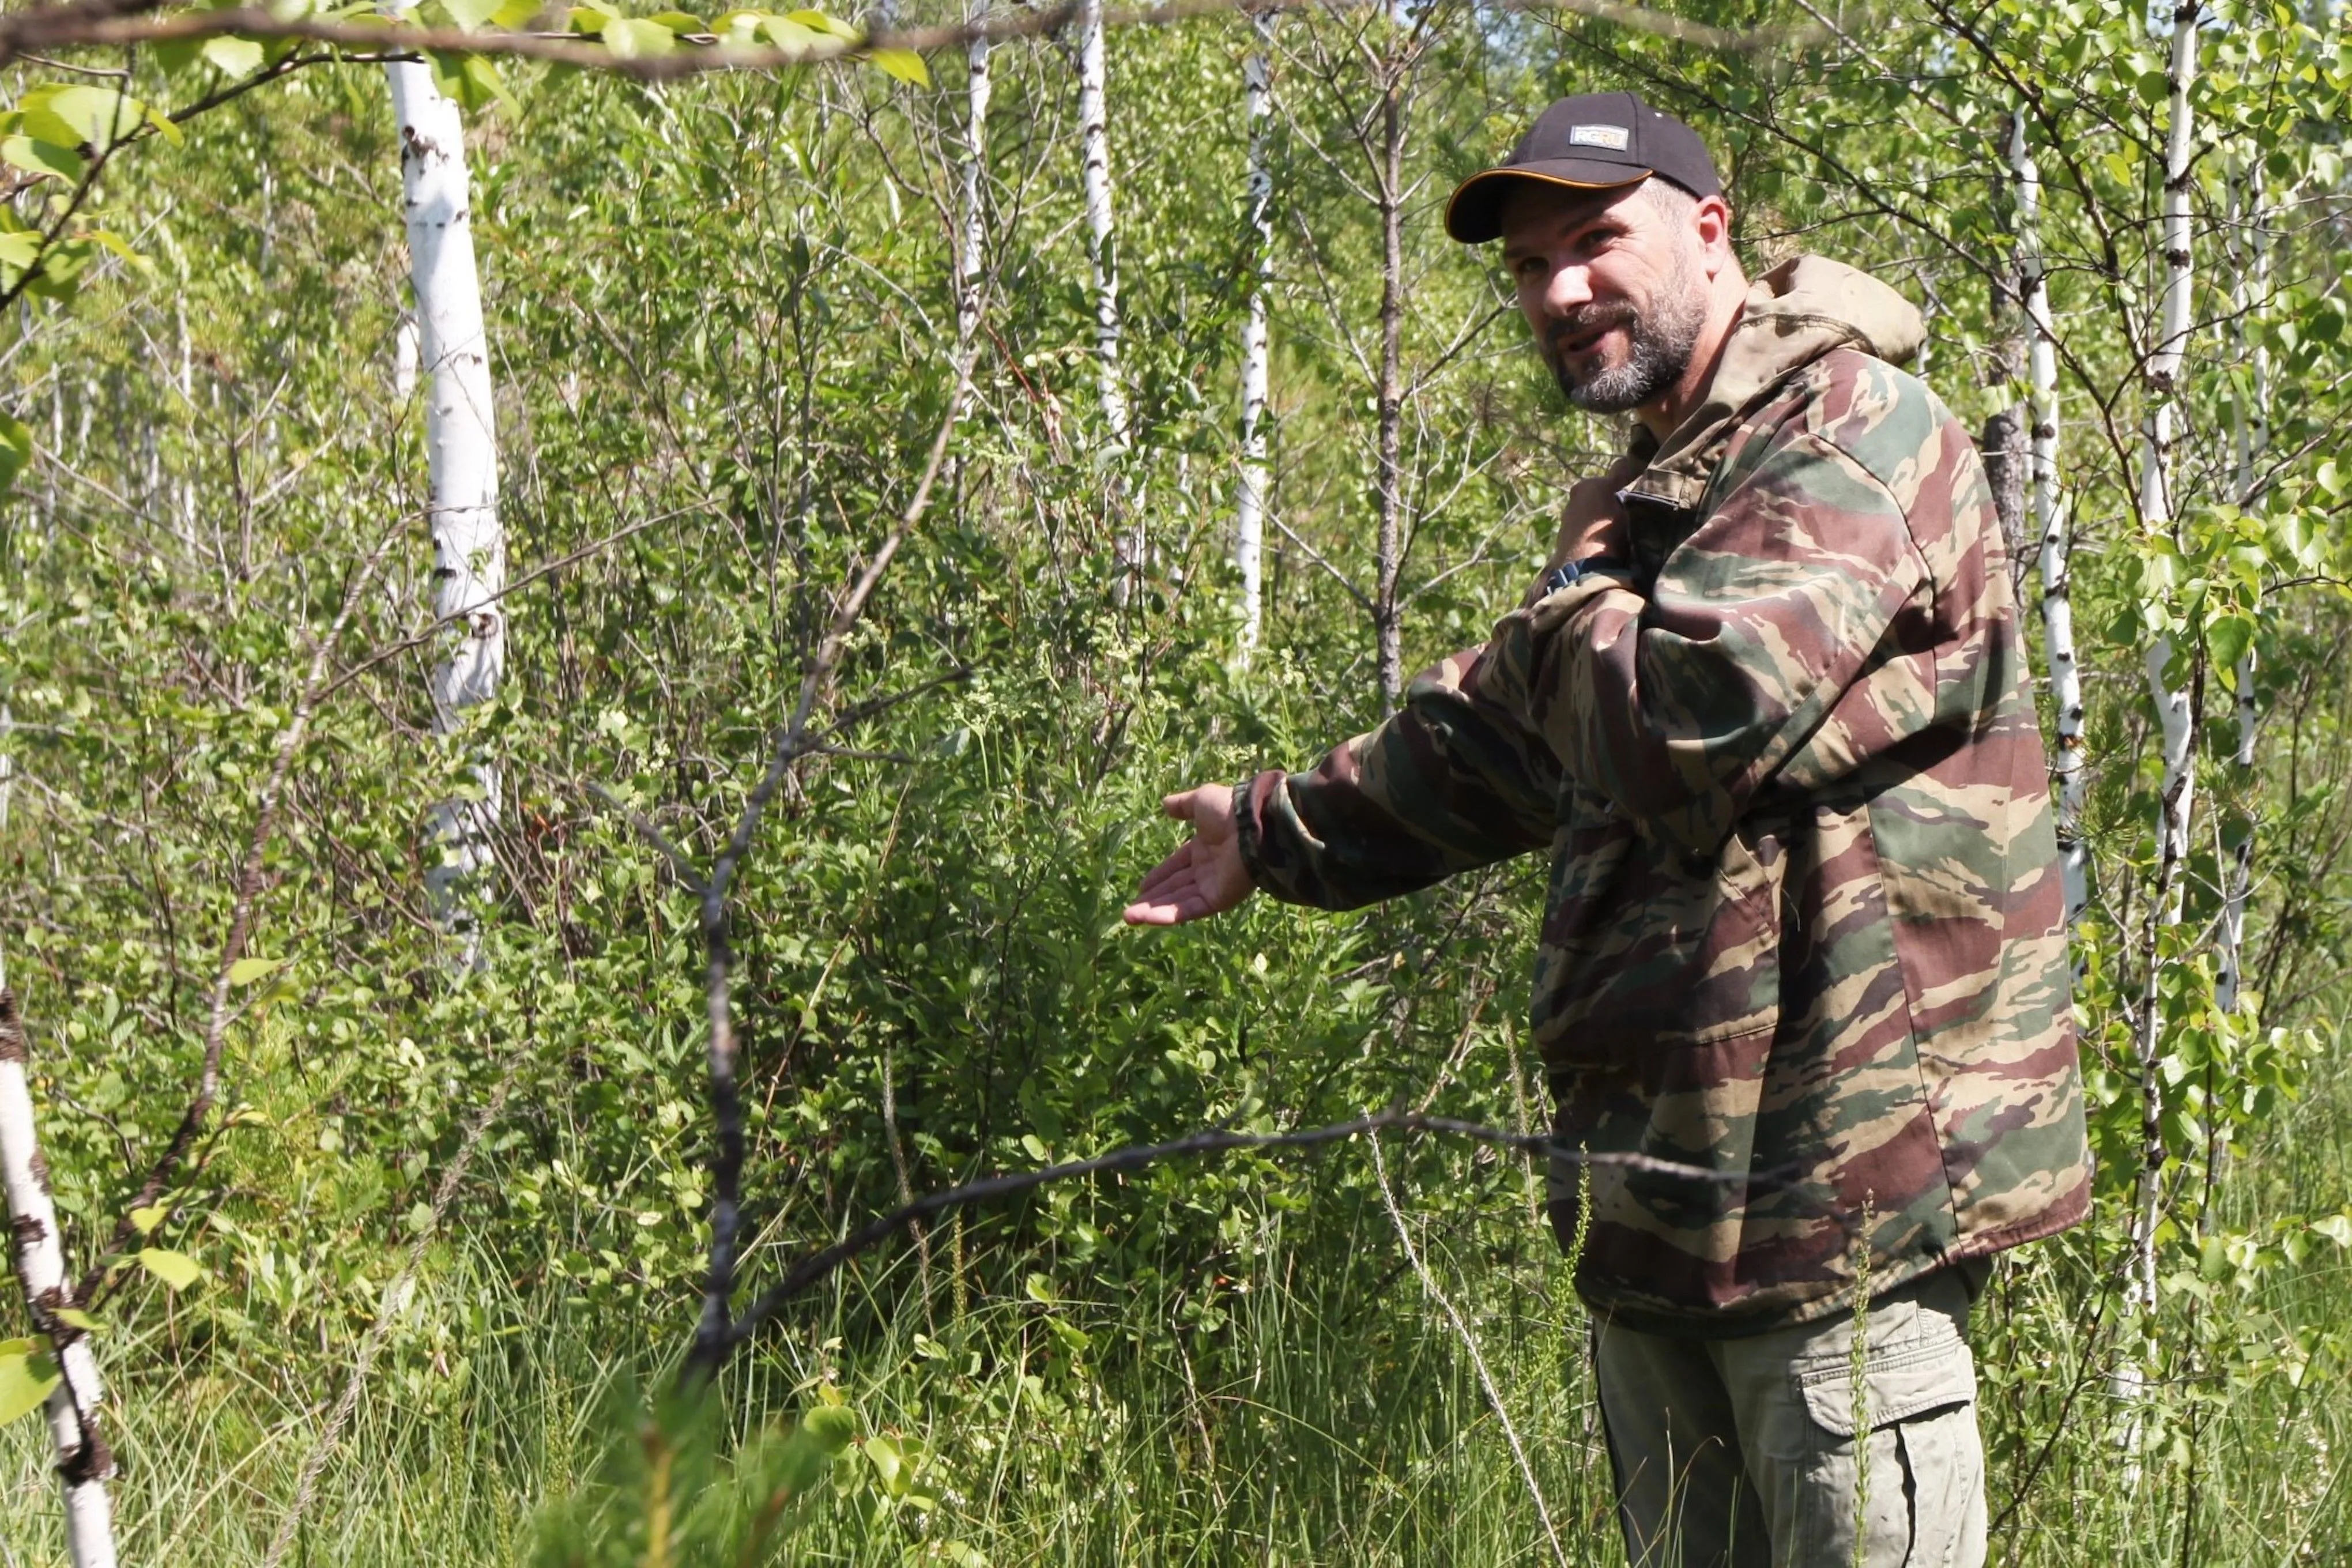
[[1180, 805]]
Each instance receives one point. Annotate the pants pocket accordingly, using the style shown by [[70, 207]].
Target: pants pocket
[[1918, 1499]]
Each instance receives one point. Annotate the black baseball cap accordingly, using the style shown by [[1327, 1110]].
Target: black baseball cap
[[1597, 142]]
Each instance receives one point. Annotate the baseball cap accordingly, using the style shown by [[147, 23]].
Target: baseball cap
[[1595, 141]]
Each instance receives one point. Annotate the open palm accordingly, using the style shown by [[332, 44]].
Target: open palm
[[1206, 876]]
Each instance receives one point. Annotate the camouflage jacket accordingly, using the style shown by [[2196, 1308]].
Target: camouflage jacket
[[1804, 915]]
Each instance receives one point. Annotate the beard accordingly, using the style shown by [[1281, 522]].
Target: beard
[[1664, 338]]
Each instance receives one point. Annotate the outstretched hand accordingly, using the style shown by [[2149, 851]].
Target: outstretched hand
[[1206, 876]]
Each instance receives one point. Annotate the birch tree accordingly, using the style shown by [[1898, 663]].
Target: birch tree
[[461, 447], [972, 259], [1249, 534], [2051, 524], [2249, 430], [2174, 703], [84, 1462], [1102, 250]]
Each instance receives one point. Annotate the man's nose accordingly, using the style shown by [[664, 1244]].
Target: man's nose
[[1567, 290]]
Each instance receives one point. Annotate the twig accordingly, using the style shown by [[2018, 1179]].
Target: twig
[[816, 1265], [117, 22]]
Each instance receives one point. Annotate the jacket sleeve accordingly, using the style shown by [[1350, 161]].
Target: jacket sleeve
[[1678, 708], [1450, 781]]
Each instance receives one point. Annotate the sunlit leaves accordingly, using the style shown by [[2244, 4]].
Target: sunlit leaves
[[28, 1374]]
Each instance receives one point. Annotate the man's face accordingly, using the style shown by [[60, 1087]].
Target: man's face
[[1614, 289]]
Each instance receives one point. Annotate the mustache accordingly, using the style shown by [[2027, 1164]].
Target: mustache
[[1591, 318]]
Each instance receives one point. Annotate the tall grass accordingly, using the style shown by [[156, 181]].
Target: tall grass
[[1330, 1417]]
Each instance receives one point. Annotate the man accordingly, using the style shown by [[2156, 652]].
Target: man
[[1768, 710]]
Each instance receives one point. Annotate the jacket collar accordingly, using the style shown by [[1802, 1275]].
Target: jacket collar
[[1797, 312]]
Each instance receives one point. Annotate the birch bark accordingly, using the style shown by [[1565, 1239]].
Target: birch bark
[[461, 447], [2250, 293], [979, 87], [1249, 507], [1094, 134], [84, 1462], [2175, 707], [2052, 525]]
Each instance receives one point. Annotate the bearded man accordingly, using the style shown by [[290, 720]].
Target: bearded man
[[1768, 710]]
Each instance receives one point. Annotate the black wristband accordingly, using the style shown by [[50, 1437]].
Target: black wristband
[[1570, 573]]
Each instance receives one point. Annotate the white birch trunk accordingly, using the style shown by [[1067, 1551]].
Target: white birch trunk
[[461, 446], [2173, 710], [978, 88], [83, 1462], [1094, 135], [2052, 525], [1249, 533], [2250, 292]]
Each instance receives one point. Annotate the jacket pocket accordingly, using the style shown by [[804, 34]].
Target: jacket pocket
[[1645, 945]]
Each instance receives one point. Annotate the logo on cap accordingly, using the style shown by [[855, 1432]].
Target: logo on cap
[[1613, 137]]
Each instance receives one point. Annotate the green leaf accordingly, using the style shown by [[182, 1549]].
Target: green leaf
[[16, 444], [246, 970], [892, 1464], [818, 22], [472, 13], [789, 34], [679, 22], [72, 115], [482, 76], [177, 1270], [832, 1426], [634, 38], [42, 158], [234, 56], [145, 1221], [166, 127], [904, 64], [21, 1385], [74, 1318], [2228, 638], [2335, 1228]]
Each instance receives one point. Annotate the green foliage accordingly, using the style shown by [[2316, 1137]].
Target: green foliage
[[720, 315]]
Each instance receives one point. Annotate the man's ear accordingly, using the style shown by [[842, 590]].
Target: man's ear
[[1712, 220]]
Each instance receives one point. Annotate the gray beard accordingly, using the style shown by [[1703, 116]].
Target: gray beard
[[1663, 343]]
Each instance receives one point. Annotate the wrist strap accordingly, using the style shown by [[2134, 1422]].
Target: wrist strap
[[1570, 573]]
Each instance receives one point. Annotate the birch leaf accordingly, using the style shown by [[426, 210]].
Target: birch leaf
[[472, 13], [74, 116], [145, 1221], [21, 1386], [36, 157], [74, 1318], [787, 33], [246, 970], [818, 22], [177, 1270], [235, 56], [904, 64], [634, 38]]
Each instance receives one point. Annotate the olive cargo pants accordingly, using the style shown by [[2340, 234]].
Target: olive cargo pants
[[1740, 1453]]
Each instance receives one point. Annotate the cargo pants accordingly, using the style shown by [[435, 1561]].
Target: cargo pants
[[1740, 1453]]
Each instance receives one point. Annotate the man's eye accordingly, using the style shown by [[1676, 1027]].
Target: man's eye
[[1529, 266]]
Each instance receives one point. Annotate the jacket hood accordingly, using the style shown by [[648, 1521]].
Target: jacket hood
[[1801, 309]]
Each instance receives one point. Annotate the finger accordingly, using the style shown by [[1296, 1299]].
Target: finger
[[1180, 805], [1159, 876], [1174, 900]]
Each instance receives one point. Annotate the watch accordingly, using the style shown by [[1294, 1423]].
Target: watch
[[1570, 573]]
